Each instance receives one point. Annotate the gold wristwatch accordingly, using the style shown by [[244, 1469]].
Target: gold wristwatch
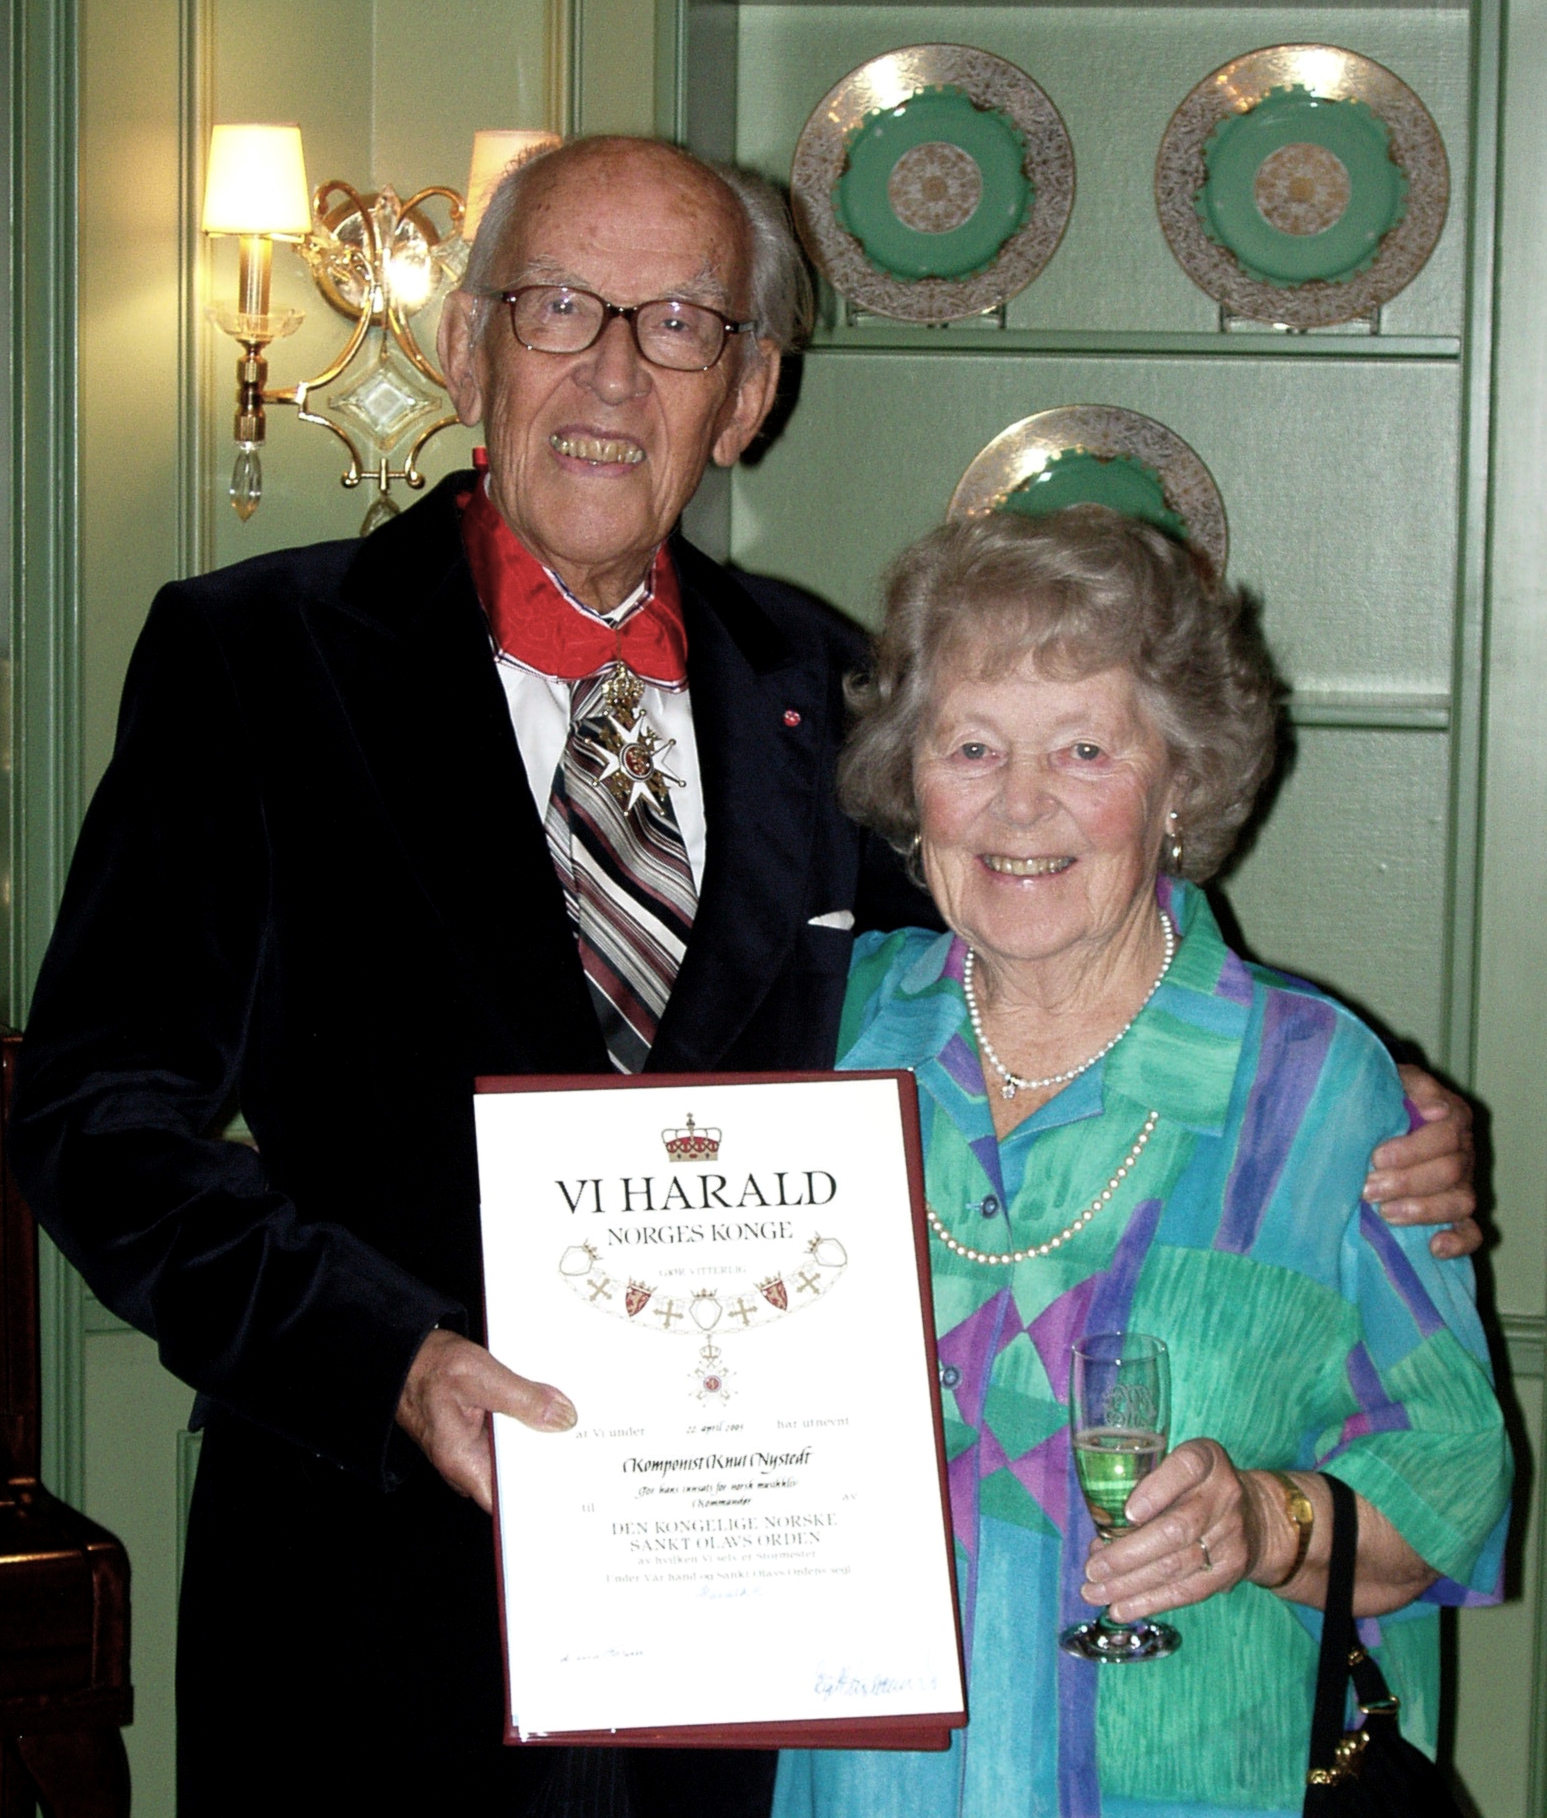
[[1302, 1512]]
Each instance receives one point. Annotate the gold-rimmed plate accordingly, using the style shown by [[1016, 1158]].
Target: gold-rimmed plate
[[1302, 184], [933, 183], [1083, 454]]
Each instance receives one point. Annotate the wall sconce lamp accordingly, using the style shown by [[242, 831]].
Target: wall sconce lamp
[[378, 262]]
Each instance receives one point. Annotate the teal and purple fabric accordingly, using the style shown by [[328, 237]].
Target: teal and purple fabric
[[1304, 1333]]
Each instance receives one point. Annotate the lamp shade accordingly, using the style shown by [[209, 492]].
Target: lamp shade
[[256, 183], [495, 153]]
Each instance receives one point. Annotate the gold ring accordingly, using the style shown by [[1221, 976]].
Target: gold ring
[[1208, 1563]]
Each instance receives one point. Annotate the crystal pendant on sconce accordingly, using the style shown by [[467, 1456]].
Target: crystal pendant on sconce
[[379, 513], [246, 480], [418, 262]]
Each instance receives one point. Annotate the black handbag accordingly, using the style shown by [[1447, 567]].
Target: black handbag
[[1371, 1772]]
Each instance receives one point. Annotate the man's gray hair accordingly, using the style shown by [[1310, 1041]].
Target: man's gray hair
[[779, 286]]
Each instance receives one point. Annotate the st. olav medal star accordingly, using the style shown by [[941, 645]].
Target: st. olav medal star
[[630, 746], [632, 766]]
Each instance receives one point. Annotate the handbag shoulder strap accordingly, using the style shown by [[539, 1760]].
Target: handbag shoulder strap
[[1337, 1627]]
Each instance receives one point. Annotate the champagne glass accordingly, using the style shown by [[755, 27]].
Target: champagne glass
[[1120, 1416]]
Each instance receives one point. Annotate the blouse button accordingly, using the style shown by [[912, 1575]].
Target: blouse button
[[989, 1207], [949, 1376]]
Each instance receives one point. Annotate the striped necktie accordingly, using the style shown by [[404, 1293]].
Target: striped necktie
[[612, 833], [620, 857]]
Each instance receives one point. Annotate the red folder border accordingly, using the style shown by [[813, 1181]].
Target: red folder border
[[923, 1731]]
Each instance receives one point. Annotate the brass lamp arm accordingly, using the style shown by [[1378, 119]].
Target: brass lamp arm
[[293, 394], [411, 472], [397, 322], [359, 206], [404, 336], [457, 206], [351, 477]]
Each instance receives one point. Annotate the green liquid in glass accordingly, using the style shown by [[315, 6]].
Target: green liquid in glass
[[1111, 1463]]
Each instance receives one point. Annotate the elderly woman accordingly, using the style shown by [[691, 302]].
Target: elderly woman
[[1128, 1127]]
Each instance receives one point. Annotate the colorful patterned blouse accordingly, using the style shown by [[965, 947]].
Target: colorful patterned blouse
[[1304, 1333]]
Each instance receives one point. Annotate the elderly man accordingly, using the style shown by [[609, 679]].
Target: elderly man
[[365, 836]]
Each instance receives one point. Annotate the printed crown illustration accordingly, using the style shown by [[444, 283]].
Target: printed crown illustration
[[689, 1143]]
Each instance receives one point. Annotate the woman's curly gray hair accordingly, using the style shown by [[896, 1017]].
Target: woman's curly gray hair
[[1078, 591]]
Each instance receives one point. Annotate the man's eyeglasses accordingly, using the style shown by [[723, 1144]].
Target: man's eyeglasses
[[558, 319]]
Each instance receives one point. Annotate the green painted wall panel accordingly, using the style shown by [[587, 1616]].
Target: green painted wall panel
[[442, 73], [1339, 481], [615, 67], [1346, 882], [129, 334], [1493, 1716], [1512, 1010], [1115, 74], [42, 553]]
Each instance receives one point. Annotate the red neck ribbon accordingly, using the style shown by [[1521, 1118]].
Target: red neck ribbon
[[534, 622]]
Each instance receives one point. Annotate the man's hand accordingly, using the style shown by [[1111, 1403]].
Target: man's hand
[[453, 1386], [1425, 1177]]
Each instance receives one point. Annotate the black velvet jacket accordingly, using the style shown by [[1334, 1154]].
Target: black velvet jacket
[[314, 884]]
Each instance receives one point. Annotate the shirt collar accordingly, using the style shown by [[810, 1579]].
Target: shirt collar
[[537, 623], [1183, 1051], [625, 609], [1180, 1057]]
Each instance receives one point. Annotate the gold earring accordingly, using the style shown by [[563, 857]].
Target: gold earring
[[1175, 865]]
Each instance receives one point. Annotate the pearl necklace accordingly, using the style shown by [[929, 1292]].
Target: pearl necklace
[[989, 1258], [1013, 1083]]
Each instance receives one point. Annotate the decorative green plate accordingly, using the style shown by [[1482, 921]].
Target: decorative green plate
[[1097, 454], [933, 183], [934, 188], [1302, 185], [1077, 477], [1301, 188]]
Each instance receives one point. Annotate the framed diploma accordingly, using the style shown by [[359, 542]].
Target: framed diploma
[[744, 1540]]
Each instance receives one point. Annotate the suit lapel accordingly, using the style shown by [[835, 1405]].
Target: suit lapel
[[762, 789], [407, 647]]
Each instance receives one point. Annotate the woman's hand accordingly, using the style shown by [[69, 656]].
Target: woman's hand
[[1200, 1527]]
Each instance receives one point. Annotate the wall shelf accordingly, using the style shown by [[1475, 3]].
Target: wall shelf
[[949, 6], [959, 339], [1370, 712]]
